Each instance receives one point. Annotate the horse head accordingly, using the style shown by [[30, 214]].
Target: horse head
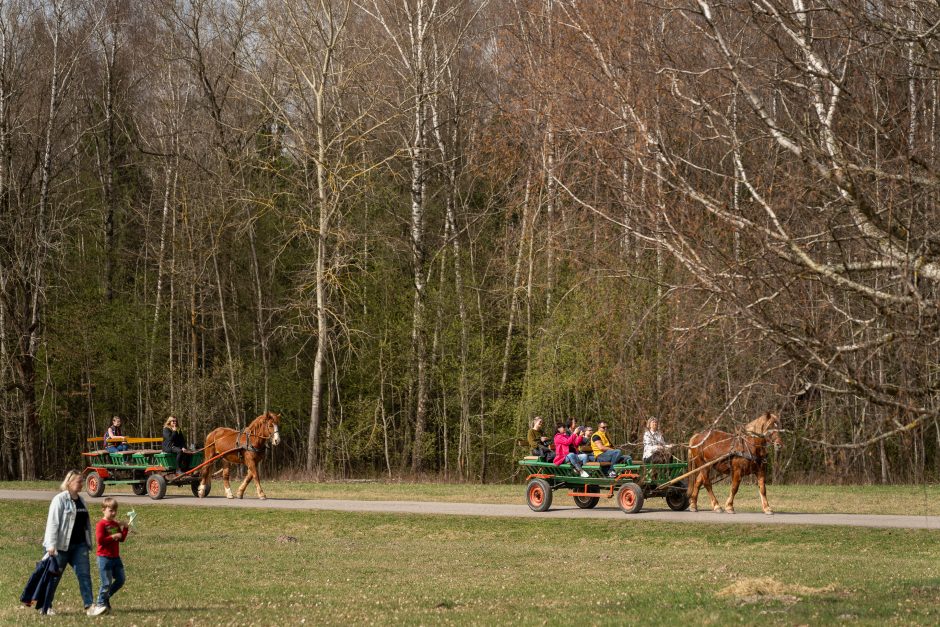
[[271, 422], [767, 426]]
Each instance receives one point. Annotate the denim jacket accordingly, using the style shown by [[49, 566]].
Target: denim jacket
[[60, 522]]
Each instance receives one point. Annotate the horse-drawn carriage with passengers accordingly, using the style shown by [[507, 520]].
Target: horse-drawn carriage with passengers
[[735, 454], [632, 484], [149, 470]]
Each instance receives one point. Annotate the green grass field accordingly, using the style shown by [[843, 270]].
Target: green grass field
[[876, 499], [264, 567]]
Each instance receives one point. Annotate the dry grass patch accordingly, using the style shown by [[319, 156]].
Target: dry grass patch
[[767, 590]]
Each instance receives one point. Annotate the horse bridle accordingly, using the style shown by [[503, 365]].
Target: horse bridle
[[250, 434]]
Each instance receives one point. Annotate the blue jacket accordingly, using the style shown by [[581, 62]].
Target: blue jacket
[[42, 584], [60, 521]]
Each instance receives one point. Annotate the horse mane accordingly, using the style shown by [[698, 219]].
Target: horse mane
[[762, 423], [260, 419]]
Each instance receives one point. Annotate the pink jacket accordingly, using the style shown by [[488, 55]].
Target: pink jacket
[[562, 446]]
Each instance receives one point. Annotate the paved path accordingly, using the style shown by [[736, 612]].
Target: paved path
[[512, 511]]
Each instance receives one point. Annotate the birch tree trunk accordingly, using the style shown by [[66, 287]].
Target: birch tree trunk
[[516, 277]]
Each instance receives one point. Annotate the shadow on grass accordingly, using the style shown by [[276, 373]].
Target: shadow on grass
[[161, 610]]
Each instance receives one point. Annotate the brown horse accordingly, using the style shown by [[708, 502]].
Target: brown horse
[[748, 454], [247, 447]]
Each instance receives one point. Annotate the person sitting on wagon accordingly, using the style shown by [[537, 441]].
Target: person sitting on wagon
[[587, 446], [603, 451], [566, 447], [114, 440], [655, 449], [174, 442], [537, 440]]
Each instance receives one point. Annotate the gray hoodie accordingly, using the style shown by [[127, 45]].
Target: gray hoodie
[[60, 522]]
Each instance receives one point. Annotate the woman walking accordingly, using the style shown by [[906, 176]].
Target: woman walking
[[68, 536]]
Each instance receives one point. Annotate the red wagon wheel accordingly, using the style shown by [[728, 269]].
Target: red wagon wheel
[[94, 486], [156, 486], [630, 498], [538, 495]]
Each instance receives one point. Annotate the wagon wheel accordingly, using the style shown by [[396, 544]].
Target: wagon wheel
[[195, 487], [538, 495], [156, 486], [677, 498], [630, 498], [139, 489], [588, 502], [94, 486]]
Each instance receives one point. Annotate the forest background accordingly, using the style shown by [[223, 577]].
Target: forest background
[[409, 226]]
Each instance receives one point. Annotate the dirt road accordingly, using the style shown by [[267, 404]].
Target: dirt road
[[515, 511]]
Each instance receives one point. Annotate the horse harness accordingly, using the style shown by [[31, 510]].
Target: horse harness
[[247, 446], [736, 450], [746, 453]]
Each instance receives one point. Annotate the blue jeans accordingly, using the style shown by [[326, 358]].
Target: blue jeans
[[576, 459], [613, 456], [77, 556], [111, 570], [116, 449]]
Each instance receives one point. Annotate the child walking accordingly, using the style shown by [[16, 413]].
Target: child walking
[[109, 533]]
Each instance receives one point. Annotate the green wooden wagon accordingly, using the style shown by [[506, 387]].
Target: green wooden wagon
[[147, 470], [632, 484]]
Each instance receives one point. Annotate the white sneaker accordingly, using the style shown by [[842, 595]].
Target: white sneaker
[[49, 612], [584, 473], [97, 610]]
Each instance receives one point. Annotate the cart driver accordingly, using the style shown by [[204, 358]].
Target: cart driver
[[655, 449], [174, 442]]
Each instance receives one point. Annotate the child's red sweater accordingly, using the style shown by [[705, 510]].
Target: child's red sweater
[[108, 546]]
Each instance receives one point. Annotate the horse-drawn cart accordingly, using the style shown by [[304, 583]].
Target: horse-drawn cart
[[147, 470], [150, 471], [632, 484]]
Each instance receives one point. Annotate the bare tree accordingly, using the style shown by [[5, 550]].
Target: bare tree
[[309, 87], [781, 202], [49, 38]]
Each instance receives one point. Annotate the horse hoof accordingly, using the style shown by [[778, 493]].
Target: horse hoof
[[262, 497], [730, 511], [768, 512], [693, 509]]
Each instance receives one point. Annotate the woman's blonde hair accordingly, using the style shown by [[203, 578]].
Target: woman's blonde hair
[[173, 418], [68, 478], [650, 422]]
